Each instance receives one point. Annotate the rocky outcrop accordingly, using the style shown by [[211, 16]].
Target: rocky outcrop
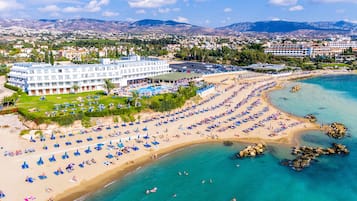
[[227, 143], [336, 130], [306, 155], [312, 118], [295, 88], [252, 151]]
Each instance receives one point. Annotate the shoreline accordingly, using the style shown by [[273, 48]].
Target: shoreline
[[112, 176], [97, 177]]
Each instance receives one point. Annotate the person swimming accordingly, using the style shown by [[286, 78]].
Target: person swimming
[[203, 181]]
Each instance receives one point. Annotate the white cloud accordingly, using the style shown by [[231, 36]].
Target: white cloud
[[275, 19], [296, 8], [335, 1], [6, 5], [129, 19], [340, 11], [71, 9], [283, 2], [149, 3], [141, 11], [92, 6], [207, 21], [227, 10], [164, 10], [167, 10], [110, 14], [49, 8], [181, 19]]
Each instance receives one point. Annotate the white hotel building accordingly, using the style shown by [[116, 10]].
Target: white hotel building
[[42, 79], [290, 50]]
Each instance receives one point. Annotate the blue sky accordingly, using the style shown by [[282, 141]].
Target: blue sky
[[210, 13]]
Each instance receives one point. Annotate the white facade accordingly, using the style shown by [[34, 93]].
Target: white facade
[[343, 44], [290, 50], [42, 79]]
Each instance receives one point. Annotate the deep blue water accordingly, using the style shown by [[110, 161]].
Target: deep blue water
[[331, 98]]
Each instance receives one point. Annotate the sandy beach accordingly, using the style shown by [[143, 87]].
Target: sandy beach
[[239, 110]]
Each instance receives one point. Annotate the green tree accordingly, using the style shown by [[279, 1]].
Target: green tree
[[52, 60], [135, 96], [47, 60], [108, 85]]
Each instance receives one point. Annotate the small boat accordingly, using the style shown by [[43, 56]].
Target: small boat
[[153, 190]]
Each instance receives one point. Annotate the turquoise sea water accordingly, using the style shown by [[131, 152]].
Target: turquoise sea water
[[332, 98]]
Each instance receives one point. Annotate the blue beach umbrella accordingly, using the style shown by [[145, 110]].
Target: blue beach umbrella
[[77, 153], [40, 161], [24, 165]]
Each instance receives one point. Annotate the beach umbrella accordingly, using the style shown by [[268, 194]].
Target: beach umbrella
[[88, 150], [32, 140], [65, 156], [2, 195], [146, 136], [40, 161], [77, 153], [53, 137], [24, 165], [52, 159]]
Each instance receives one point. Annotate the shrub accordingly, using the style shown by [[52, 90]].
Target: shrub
[[24, 132], [17, 89]]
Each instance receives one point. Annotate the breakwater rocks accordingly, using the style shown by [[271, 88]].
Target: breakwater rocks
[[336, 130], [312, 118], [306, 155], [227, 143], [251, 151], [295, 88]]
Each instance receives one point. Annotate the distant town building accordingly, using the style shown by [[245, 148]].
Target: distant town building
[[42, 79], [291, 50]]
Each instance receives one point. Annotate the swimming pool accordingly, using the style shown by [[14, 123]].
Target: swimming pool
[[151, 90]]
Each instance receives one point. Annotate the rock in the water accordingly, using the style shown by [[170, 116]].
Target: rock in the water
[[295, 88], [336, 130], [312, 118], [227, 143], [305, 155], [251, 151]]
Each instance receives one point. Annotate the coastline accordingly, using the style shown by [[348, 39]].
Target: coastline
[[102, 176], [116, 174]]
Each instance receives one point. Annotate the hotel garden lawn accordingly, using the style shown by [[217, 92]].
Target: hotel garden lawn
[[65, 108], [71, 106]]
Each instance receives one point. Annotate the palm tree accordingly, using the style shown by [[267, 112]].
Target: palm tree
[[135, 96], [108, 85]]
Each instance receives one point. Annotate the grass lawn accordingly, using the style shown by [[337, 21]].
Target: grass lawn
[[334, 64], [65, 108], [66, 104]]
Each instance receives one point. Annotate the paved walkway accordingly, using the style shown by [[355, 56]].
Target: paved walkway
[[4, 91]]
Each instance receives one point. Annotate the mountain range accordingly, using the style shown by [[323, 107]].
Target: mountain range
[[169, 26]]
